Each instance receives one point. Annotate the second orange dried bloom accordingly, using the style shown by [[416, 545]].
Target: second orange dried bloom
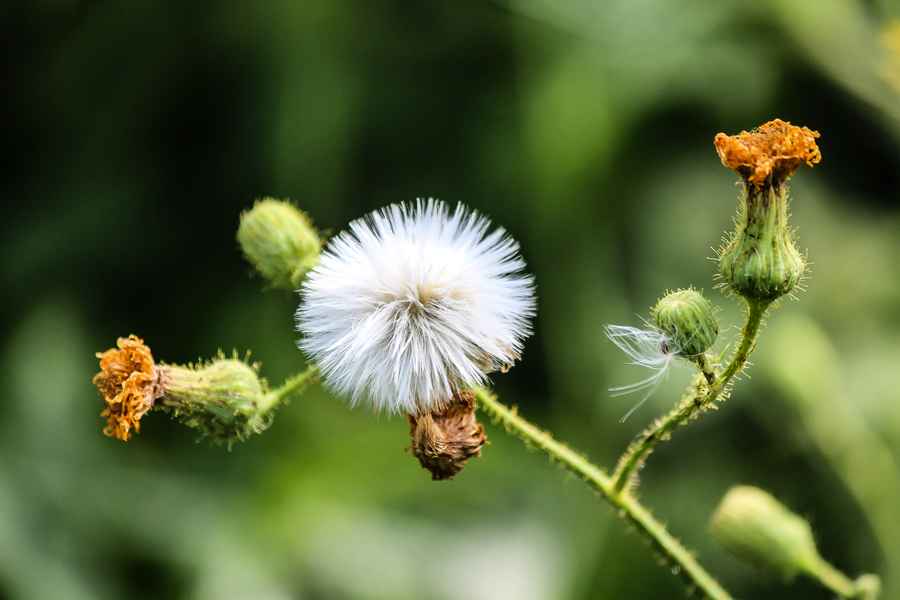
[[129, 383]]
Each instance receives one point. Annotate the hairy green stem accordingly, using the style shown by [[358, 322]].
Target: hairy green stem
[[755, 312], [629, 507], [706, 368], [292, 386], [700, 395]]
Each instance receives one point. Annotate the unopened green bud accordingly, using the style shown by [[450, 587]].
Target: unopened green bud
[[225, 399], [280, 241], [755, 527], [760, 262], [688, 320]]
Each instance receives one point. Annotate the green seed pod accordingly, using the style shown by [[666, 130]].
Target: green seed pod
[[688, 319], [225, 400], [760, 261], [280, 241], [755, 527]]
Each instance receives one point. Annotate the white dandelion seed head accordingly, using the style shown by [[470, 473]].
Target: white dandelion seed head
[[649, 348], [414, 303]]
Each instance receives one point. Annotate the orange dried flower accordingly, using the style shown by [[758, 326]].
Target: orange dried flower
[[129, 383], [775, 149]]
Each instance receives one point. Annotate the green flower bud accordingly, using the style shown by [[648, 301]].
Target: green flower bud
[[280, 241], [760, 262], [225, 399], [688, 319], [755, 527]]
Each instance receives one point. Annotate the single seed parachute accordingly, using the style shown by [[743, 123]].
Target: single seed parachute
[[649, 348]]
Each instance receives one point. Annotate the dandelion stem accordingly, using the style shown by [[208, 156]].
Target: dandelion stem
[[626, 505], [292, 386], [700, 395]]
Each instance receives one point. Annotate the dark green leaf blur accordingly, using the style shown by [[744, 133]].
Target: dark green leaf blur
[[136, 132]]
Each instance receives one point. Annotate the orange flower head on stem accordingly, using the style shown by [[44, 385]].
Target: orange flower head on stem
[[128, 381], [773, 150]]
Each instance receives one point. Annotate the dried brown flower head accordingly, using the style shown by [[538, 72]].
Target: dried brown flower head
[[129, 383], [775, 149], [445, 439]]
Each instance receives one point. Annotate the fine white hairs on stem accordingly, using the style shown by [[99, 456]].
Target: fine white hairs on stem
[[648, 348], [415, 303]]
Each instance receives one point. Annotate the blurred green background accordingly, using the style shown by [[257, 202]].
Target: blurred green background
[[135, 134]]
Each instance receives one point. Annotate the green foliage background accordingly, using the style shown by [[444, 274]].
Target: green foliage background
[[137, 132]]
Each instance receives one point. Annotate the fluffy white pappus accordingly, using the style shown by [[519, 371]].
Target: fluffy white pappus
[[415, 303], [648, 348]]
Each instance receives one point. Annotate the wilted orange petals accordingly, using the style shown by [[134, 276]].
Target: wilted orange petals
[[775, 149], [128, 383]]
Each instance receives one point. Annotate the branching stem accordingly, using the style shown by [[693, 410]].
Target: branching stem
[[292, 386], [626, 505], [700, 396]]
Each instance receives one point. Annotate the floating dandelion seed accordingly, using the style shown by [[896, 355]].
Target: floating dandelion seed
[[648, 348], [415, 304]]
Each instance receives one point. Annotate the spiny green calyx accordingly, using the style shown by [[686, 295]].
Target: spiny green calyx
[[688, 319], [760, 261], [224, 399], [754, 526], [280, 241]]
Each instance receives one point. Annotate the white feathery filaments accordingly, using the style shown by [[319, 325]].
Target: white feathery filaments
[[415, 303], [648, 348]]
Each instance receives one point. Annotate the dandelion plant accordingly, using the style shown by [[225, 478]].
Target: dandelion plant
[[413, 307]]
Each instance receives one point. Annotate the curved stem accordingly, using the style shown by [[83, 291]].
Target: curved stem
[[833, 579], [292, 386], [755, 312], [707, 369], [654, 531], [700, 395]]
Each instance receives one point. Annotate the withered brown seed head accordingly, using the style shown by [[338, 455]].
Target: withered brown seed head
[[445, 439], [128, 381], [775, 149]]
